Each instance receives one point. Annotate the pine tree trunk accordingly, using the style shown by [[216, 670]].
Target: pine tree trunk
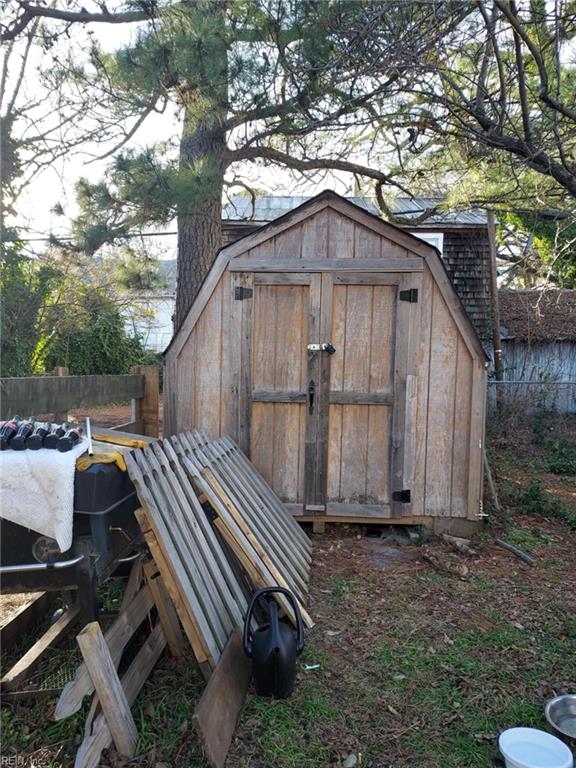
[[199, 224], [203, 161]]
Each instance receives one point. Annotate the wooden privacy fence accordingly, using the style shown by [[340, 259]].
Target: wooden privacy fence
[[60, 393]]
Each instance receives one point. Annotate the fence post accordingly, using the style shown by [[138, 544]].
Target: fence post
[[146, 409], [60, 416]]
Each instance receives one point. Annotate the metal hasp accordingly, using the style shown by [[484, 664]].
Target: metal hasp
[[402, 496], [321, 348]]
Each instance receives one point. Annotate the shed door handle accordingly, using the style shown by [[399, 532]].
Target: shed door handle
[[311, 393]]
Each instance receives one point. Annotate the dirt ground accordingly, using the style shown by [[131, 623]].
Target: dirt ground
[[105, 416], [419, 657]]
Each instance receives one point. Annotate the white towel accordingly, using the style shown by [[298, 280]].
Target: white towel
[[37, 490]]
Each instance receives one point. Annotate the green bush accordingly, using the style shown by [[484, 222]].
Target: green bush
[[99, 344]]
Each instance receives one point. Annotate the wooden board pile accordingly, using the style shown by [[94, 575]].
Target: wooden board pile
[[109, 719], [210, 587], [216, 533]]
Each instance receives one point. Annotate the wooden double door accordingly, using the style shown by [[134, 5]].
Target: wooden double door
[[327, 392]]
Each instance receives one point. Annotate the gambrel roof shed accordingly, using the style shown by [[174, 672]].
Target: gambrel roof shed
[[333, 348]]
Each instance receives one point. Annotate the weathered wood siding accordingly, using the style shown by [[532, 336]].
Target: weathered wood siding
[[449, 421], [279, 364], [363, 323], [197, 382], [328, 235]]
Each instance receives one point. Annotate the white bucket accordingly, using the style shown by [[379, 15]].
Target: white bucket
[[531, 748]]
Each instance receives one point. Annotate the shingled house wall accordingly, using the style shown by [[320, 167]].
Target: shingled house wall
[[466, 254]]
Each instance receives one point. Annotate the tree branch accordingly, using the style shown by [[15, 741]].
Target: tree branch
[[544, 94], [30, 12], [306, 164]]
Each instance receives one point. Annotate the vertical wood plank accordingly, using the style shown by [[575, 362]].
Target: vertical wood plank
[[169, 396], [378, 455], [440, 409], [246, 367], [358, 337], [235, 340], [312, 375], [477, 427], [340, 236], [337, 337], [225, 377], [261, 439], [208, 334], [148, 407], [462, 422], [315, 236], [354, 457], [334, 452], [423, 368], [367, 244], [401, 332], [410, 392], [382, 338], [186, 384], [288, 244], [323, 390]]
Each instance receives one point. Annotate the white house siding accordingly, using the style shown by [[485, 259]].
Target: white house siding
[[151, 318]]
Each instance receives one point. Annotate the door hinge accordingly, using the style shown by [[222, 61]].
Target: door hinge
[[241, 293], [410, 295], [402, 496]]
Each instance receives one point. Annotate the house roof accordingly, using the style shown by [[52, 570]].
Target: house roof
[[267, 208], [538, 316]]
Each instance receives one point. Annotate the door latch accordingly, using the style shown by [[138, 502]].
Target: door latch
[[311, 393], [321, 348]]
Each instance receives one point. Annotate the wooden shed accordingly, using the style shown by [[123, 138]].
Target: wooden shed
[[333, 348]]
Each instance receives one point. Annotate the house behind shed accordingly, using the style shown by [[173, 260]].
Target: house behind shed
[[538, 329], [334, 349]]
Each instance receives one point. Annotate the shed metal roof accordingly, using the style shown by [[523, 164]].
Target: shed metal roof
[[267, 208]]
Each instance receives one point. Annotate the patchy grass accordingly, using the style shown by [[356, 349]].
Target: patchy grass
[[561, 459]]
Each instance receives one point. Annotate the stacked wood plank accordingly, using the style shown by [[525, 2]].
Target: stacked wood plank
[[192, 546], [208, 597], [263, 535]]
